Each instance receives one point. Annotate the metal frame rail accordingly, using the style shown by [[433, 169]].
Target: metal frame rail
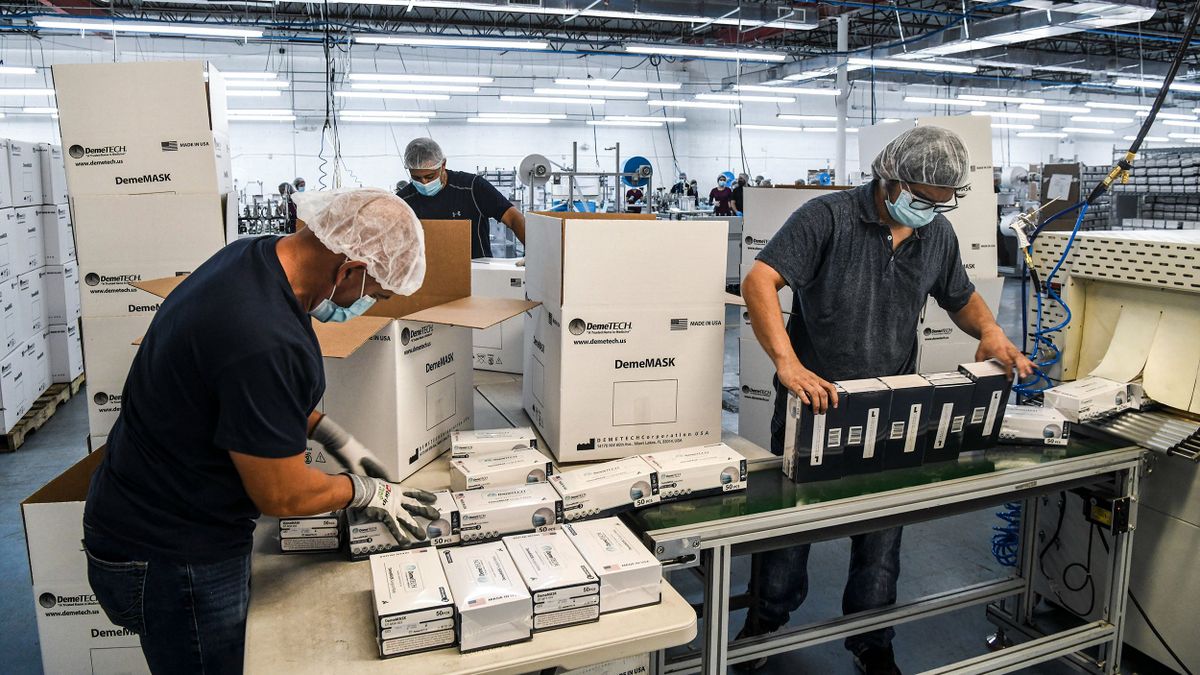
[[710, 546]]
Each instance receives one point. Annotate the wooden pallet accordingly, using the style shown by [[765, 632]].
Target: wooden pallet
[[39, 413]]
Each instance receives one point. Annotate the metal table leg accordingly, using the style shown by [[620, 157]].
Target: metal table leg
[[716, 563]]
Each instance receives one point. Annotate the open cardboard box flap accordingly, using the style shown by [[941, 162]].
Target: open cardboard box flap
[[444, 298]]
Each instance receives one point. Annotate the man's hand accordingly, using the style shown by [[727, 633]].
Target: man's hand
[[994, 344], [352, 455], [812, 390], [394, 507]]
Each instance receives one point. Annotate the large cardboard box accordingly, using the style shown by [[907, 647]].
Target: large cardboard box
[[14, 389], [941, 345], [10, 315], [400, 378], [756, 400], [25, 174], [62, 293], [31, 304], [54, 173], [6, 195], [75, 635], [66, 352], [765, 212], [108, 350], [8, 243], [501, 347], [122, 239], [58, 235], [29, 253], [37, 364], [141, 128], [625, 357]]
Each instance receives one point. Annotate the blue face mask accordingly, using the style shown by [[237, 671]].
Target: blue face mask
[[903, 212], [329, 311], [431, 188]]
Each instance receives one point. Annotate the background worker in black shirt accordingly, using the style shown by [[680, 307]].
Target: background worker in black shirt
[[216, 409], [437, 193]]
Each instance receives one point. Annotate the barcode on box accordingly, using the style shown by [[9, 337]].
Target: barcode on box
[[977, 415], [835, 438], [854, 436], [957, 425], [897, 430]]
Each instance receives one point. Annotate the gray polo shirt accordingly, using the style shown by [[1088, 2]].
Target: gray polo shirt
[[856, 301]]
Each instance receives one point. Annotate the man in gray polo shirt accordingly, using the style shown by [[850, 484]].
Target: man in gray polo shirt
[[861, 263]]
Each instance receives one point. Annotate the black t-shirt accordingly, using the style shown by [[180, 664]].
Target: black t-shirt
[[739, 196], [230, 362], [465, 196]]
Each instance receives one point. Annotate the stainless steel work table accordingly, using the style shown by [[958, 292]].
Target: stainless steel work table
[[774, 512]]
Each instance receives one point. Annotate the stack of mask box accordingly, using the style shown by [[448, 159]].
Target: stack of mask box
[[494, 607], [366, 537], [414, 608], [310, 534], [565, 590]]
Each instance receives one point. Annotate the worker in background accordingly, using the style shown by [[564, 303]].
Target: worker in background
[[437, 193], [299, 184], [861, 263], [739, 192], [634, 200], [722, 198], [216, 411], [400, 185], [289, 207], [680, 186], [693, 190]]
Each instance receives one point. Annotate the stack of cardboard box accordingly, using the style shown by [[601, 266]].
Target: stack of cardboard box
[[61, 271], [499, 348], [624, 355], [147, 164]]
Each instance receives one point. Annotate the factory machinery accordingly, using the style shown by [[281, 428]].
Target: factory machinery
[[1131, 310]]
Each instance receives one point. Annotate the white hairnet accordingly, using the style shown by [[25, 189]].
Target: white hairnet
[[372, 226], [423, 153], [927, 155]]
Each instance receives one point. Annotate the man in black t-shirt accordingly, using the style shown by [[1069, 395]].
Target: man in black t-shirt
[[216, 409], [437, 193]]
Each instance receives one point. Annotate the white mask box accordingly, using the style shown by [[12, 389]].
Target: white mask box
[[494, 607], [310, 534], [491, 513], [695, 472], [512, 467], [1090, 398], [366, 537], [565, 590], [629, 576], [464, 444], [605, 489], [412, 598], [1031, 425]]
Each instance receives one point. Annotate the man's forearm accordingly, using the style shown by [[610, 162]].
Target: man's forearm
[[975, 319], [515, 221], [766, 318]]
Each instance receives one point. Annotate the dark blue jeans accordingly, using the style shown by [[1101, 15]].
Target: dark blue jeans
[[191, 618], [779, 583]]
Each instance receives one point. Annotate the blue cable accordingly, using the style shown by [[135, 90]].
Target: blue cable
[[1007, 538]]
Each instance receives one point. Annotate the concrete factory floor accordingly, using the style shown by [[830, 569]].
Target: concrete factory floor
[[938, 555]]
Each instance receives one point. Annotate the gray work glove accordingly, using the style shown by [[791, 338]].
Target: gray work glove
[[393, 506], [352, 455]]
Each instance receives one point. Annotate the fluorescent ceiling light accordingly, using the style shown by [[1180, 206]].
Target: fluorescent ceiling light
[[1192, 140], [1152, 139], [708, 52], [806, 118], [820, 72], [1181, 123], [1168, 116], [264, 84], [433, 79], [768, 127], [1182, 135], [912, 65], [477, 43], [17, 70], [105, 26], [255, 93], [645, 118], [389, 113], [623, 123], [1156, 84], [1088, 130], [262, 118], [536, 116], [434, 88], [26, 92], [384, 120], [716, 105], [956, 47], [1055, 108], [261, 111], [508, 120], [1117, 106], [566, 100], [1101, 119], [553, 91], [944, 101], [889, 120], [830, 130], [1001, 99], [739, 97], [1041, 134], [395, 95], [247, 75], [1030, 34], [616, 84], [34, 110], [1006, 115], [1006, 125], [803, 91]]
